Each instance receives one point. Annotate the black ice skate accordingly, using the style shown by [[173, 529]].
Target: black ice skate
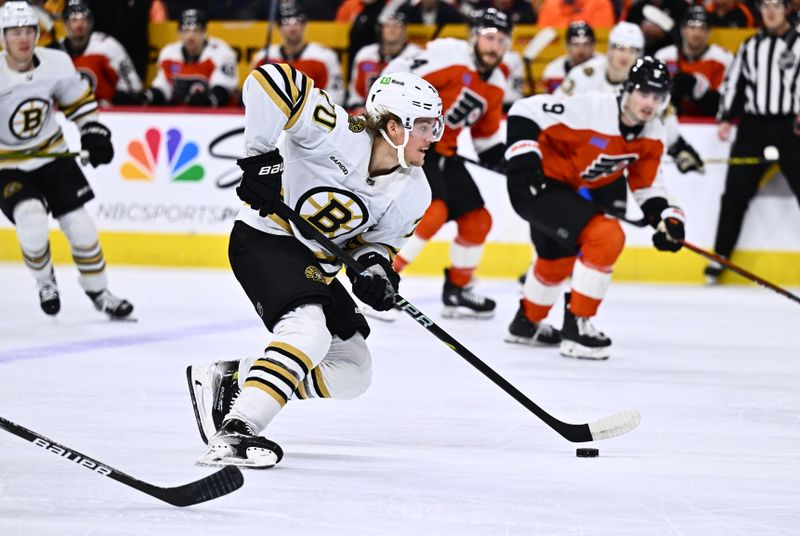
[[216, 384], [105, 302], [523, 331], [236, 444], [712, 272], [461, 302], [48, 295], [581, 339]]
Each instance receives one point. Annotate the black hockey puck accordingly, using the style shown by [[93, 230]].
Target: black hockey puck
[[587, 453]]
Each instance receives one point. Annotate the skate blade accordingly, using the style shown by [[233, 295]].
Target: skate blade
[[123, 319], [261, 459], [236, 462], [579, 351], [529, 341], [463, 312], [197, 378]]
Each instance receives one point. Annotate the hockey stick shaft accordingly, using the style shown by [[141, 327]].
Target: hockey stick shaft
[[40, 154], [273, 10], [215, 485], [721, 260], [576, 433]]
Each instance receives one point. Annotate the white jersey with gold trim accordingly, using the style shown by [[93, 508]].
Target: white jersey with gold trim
[[314, 60], [326, 156], [27, 102]]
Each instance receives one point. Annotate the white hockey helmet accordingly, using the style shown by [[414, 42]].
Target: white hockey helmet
[[626, 35], [408, 97], [17, 14]]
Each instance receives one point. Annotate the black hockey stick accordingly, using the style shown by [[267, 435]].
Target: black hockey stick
[[221, 483], [714, 257], [605, 428]]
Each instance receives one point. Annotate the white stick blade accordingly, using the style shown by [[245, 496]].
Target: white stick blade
[[614, 426]]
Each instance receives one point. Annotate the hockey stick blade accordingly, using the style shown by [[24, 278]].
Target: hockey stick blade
[[615, 425], [215, 485]]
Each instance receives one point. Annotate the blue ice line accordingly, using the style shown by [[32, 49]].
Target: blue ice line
[[122, 341]]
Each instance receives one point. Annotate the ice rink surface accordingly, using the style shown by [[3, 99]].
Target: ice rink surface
[[433, 447]]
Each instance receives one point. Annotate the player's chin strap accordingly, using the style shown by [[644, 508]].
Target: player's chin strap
[[401, 157]]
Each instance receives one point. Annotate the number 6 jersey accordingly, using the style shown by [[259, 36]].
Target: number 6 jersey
[[326, 156]]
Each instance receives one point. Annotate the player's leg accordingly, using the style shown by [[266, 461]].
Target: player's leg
[[466, 208], [741, 185], [23, 203], [435, 216], [273, 271], [601, 242]]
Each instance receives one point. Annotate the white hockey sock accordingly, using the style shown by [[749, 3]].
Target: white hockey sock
[[82, 235], [345, 373], [30, 221], [410, 250], [301, 340]]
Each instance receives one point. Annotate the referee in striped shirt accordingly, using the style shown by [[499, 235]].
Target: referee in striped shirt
[[762, 89]]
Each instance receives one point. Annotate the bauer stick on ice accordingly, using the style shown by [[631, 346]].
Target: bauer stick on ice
[[215, 485], [605, 428]]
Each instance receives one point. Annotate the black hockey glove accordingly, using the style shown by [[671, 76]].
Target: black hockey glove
[[378, 285], [492, 158], [670, 230], [526, 180], [261, 181], [686, 158], [202, 98], [96, 140]]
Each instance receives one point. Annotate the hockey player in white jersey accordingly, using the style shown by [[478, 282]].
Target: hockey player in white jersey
[[198, 70], [316, 61], [580, 43], [358, 180], [513, 68], [33, 81], [608, 74], [99, 57]]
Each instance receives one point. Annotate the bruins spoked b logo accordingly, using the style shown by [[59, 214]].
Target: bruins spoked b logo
[[28, 119], [333, 211]]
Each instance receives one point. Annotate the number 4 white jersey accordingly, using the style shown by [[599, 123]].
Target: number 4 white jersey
[[27, 101], [326, 154]]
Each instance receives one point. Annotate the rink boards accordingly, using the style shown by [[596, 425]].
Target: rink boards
[[167, 199]]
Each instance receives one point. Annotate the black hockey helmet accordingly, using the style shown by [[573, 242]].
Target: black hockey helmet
[[490, 18], [580, 29], [193, 18], [696, 16], [648, 74], [76, 7], [291, 10]]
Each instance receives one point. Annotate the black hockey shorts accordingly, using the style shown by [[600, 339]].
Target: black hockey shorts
[[451, 182], [60, 185], [279, 273]]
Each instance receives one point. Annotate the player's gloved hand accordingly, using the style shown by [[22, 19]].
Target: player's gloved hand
[[96, 140], [261, 181], [670, 230], [378, 284], [202, 98], [686, 158]]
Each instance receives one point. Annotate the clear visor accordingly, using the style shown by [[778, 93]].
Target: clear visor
[[429, 129], [495, 36]]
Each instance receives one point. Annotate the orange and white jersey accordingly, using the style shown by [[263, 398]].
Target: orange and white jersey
[[556, 71], [712, 63], [28, 102], [588, 76], [514, 70], [316, 61], [367, 67], [106, 65], [581, 144], [216, 66], [468, 100]]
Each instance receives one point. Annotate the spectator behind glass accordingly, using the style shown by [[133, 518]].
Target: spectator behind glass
[[316, 61], [730, 14], [98, 57], [697, 67], [559, 13], [431, 12], [580, 48], [197, 70], [370, 60], [658, 20]]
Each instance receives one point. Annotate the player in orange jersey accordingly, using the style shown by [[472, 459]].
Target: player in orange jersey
[[471, 84], [593, 140]]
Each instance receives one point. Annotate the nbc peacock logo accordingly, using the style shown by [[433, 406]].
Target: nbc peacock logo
[[143, 157]]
